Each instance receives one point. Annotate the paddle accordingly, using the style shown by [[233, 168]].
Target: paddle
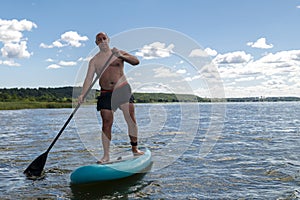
[[37, 166]]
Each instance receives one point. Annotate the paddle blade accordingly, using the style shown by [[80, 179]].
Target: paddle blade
[[37, 166]]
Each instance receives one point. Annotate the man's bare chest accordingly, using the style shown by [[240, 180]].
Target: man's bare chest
[[116, 63]]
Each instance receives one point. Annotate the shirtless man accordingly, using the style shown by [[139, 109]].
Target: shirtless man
[[115, 91]]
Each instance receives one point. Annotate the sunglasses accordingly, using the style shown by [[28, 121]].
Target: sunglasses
[[101, 39]]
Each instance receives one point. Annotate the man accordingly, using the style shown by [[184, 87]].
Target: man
[[115, 91]]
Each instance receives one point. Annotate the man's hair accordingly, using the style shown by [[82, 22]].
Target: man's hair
[[102, 33]]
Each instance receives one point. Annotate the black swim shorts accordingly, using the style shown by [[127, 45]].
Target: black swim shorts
[[112, 100]]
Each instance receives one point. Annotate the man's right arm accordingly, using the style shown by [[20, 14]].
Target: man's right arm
[[87, 82]]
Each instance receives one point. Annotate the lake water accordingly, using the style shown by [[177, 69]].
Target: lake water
[[200, 151]]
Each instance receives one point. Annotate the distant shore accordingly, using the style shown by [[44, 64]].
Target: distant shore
[[32, 105], [27, 98], [48, 105]]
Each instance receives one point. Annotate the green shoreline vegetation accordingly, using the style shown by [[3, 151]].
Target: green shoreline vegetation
[[62, 97]]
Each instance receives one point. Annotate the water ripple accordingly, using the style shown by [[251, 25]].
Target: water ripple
[[256, 156]]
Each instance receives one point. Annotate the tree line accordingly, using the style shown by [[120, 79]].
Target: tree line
[[67, 94], [63, 94]]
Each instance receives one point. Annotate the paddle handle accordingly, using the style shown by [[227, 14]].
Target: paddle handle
[[78, 105]]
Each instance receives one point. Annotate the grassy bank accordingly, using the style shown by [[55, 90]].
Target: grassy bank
[[31, 105]]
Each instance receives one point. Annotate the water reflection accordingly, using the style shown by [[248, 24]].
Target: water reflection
[[121, 188]]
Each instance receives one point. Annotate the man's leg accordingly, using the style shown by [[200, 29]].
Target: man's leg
[[129, 115], [107, 121]]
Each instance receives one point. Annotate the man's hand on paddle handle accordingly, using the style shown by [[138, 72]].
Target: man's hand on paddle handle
[[117, 52], [80, 99]]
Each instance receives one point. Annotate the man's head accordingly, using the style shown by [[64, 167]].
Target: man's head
[[101, 37]]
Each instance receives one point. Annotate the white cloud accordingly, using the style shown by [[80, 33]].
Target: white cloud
[[236, 57], [86, 59], [67, 63], [15, 50], [274, 82], [11, 30], [275, 74], [70, 38], [8, 36], [54, 44], [14, 44], [261, 43], [203, 53], [155, 50], [49, 60], [163, 72], [155, 88], [198, 53], [73, 38], [210, 51], [42, 45], [250, 78], [282, 56], [298, 6], [11, 63], [195, 77], [60, 64], [53, 66], [181, 71]]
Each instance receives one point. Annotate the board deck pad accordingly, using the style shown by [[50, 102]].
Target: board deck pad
[[120, 159]]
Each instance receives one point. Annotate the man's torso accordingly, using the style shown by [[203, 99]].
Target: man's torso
[[113, 74]]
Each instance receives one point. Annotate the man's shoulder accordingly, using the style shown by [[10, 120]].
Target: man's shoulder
[[93, 61], [94, 58]]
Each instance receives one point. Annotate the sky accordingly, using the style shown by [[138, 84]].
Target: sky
[[253, 44]]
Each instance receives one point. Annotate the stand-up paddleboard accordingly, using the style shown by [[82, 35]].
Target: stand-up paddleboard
[[111, 171]]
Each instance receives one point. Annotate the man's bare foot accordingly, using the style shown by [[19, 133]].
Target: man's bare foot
[[136, 151], [103, 160]]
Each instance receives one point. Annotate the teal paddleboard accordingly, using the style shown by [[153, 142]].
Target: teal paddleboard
[[111, 171]]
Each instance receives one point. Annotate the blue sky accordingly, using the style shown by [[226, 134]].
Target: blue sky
[[254, 44]]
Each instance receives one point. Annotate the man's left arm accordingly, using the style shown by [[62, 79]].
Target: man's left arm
[[126, 57]]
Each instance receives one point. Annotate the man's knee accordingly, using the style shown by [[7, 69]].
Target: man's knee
[[107, 122]]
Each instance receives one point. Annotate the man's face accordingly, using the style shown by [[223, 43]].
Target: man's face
[[102, 40]]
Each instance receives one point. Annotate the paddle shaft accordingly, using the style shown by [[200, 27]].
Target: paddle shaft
[[78, 105]]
